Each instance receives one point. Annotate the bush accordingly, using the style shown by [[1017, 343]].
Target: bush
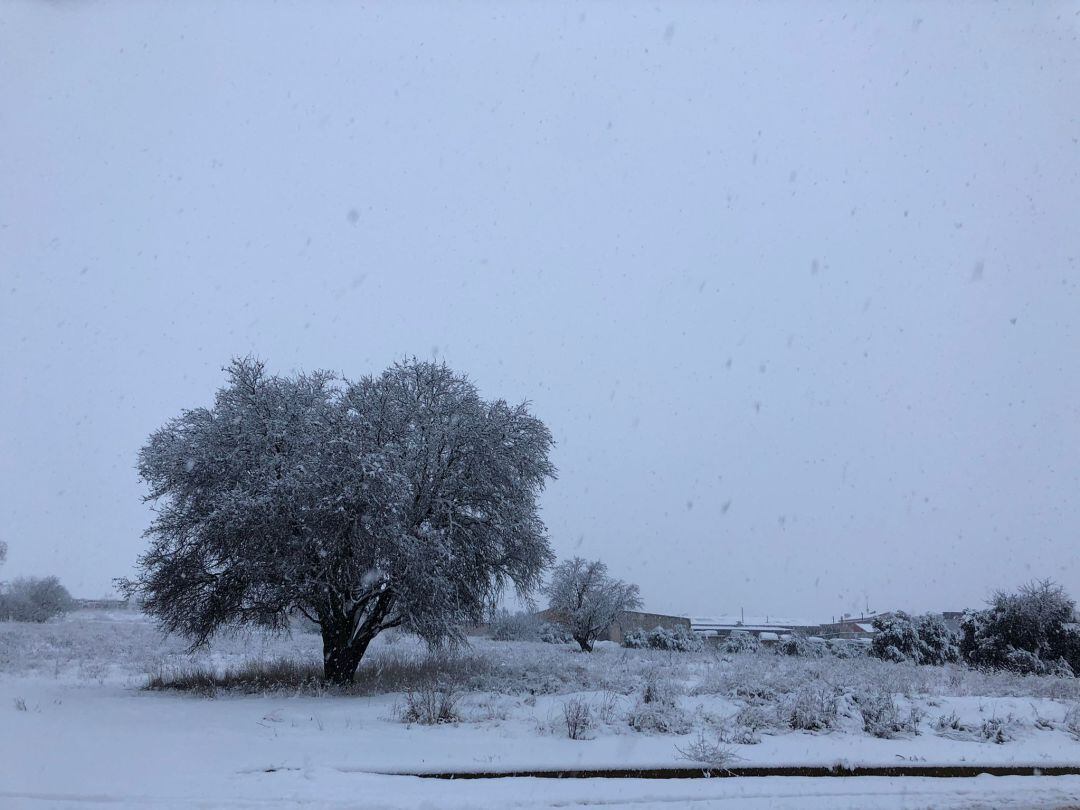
[[432, 703], [1032, 631], [660, 638], [813, 707], [578, 717], [744, 727], [801, 646], [658, 710], [635, 639], [551, 633], [740, 642], [33, 599], [882, 717], [949, 722], [998, 731], [707, 751], [520, 626], [919, 639], [847, 647]]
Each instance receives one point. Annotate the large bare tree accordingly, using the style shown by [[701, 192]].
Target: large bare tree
[[402, 499]]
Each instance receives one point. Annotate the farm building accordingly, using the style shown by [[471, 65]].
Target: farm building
[[104, 604], [850, 627], [636, 620], [767, 627]]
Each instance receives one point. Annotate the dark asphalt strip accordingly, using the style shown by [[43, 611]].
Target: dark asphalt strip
[[935, 771]]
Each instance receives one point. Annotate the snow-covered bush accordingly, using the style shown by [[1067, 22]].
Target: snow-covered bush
[[660, 638], [998, 730], [635, 639], [949, 722], [881, 715], [707, 750], [847, 647], [812, 707], [657, 709], [740, 642], [754, 718], [801, 646], [744, 727], [520, 626], [431, 703], [1033, 631], [34, 599], [551, 633], [919, 639], [577, 714]]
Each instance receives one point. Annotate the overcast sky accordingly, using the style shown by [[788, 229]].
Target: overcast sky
[[795, 286]]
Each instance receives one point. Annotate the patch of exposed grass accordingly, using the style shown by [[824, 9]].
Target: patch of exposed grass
[[254, 676]]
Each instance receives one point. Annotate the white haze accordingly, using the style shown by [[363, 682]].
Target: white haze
[[794, 285]]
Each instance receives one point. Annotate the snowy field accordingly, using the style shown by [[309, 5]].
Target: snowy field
[[80, 729]]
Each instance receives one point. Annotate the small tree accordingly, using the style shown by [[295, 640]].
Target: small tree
[[398, 500], [584, 599], [3, 552], [919, 639], [34, 599], [1033, 630]]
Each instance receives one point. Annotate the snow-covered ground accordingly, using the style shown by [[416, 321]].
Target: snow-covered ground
[[78, 728]]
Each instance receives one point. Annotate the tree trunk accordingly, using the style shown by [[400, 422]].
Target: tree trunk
[[345, 641], [586, 644], [342, 654]]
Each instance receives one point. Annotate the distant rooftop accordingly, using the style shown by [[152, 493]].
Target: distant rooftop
[[705, 622]]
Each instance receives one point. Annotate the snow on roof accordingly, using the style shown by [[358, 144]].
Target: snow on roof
[[866, 627], [748, 621]]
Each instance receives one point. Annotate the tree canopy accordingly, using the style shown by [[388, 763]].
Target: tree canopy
[[402, 499], [921, 639], [34, 599], [1033, 630], [584, 599]]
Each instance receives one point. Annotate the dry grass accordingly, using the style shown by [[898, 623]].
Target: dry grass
[[256, 676]]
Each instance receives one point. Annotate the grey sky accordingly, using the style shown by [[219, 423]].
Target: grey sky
[[795, 286]]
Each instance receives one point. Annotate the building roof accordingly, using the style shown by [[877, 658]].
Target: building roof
[[746, 622]]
